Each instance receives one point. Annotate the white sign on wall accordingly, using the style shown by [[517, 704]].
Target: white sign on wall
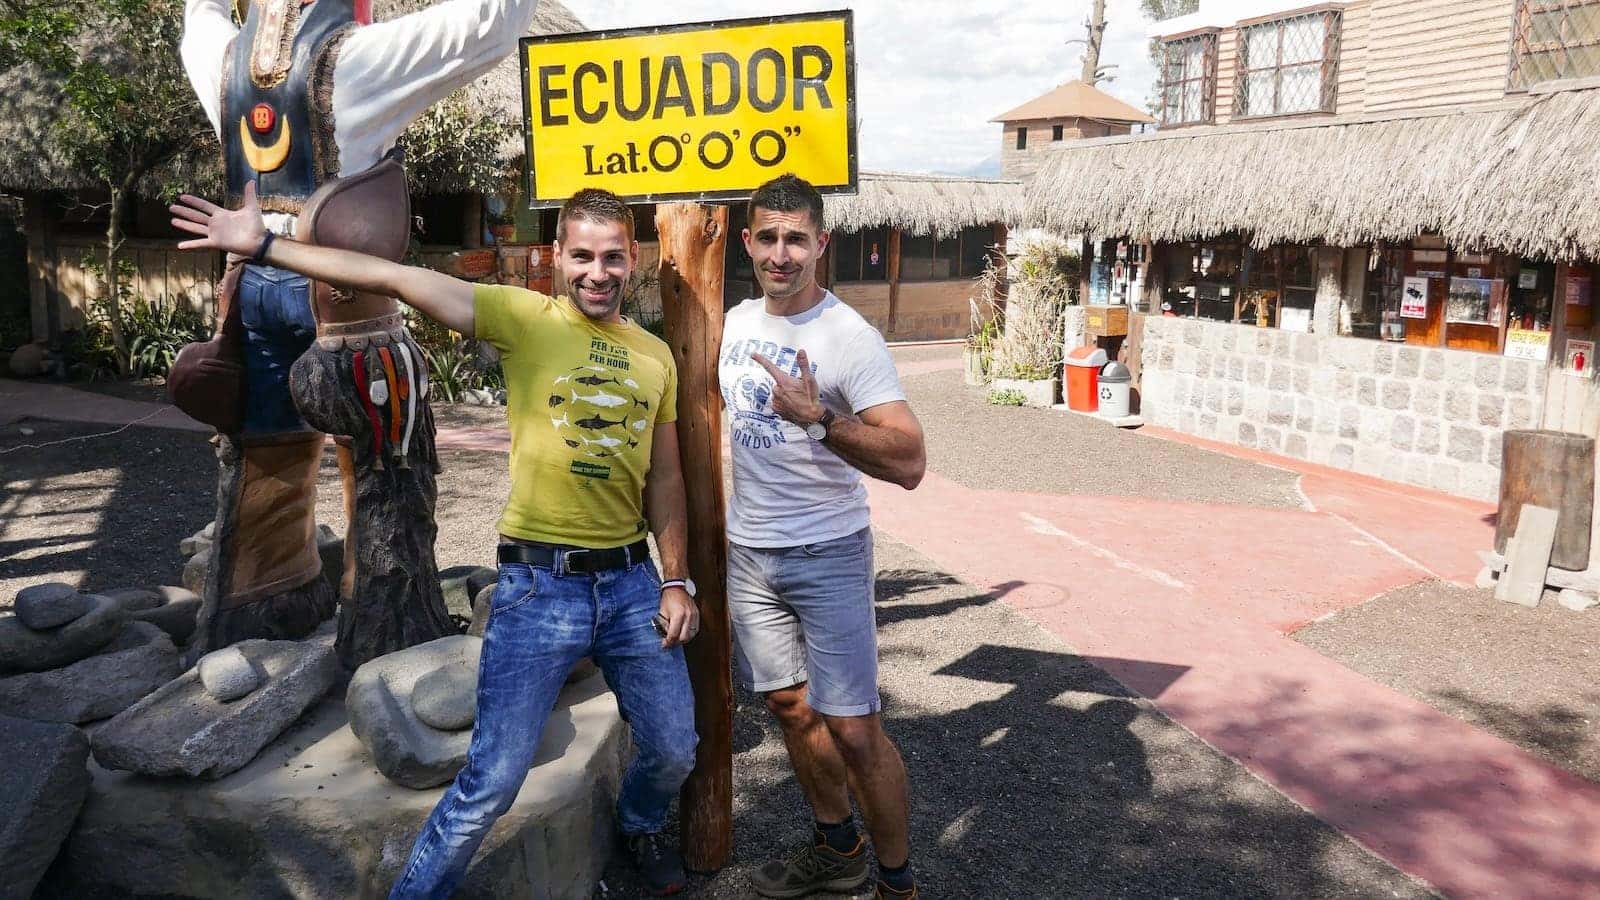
[[1414, 298]]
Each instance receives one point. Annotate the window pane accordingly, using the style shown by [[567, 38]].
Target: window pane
[[846, 250], [916, 257], [1258, 93], [1022, 138], [875, 254], [1300, 89], [975, 244], [1303, 39], [1057, 132]]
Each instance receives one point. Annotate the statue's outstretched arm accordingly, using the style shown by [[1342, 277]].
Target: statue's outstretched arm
[[389, 73], [207, 29]]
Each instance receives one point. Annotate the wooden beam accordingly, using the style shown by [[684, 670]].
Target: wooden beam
[[39, 295], [894, 280], [693, 247]]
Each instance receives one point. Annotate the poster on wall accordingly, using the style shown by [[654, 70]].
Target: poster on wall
[[1528, 279], [1469, 301], [1580, 358], [1534, 345], [1578, 289], [1414, 299]]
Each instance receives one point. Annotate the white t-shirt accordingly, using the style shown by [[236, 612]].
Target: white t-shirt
[[787, 488]]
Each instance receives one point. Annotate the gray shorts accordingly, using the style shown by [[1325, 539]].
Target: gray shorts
[[805, 614]]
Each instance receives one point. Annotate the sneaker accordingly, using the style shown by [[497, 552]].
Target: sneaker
[[816, 868], [658, 862], [886, 892]]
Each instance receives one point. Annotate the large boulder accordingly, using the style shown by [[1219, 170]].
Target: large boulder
[[310, 817], [29, 360], [406, 749], [130, 668], [43, 783], [182, 730], [22, 649]]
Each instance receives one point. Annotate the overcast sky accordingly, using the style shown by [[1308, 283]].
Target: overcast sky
[[930, 74]]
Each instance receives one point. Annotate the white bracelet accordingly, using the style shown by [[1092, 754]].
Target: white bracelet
[[674, 582]]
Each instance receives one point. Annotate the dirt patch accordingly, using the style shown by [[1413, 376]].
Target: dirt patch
[[1531, 676]]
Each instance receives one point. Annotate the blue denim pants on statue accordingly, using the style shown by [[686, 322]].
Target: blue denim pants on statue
[[540, 625]]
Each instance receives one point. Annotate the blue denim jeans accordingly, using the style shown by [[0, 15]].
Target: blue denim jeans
[[540, 625], [275, 309]]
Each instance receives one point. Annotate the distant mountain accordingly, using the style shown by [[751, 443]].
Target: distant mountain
[[988, 168]]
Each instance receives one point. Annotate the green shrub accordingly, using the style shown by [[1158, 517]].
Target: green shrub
[[455, 363], [1008, 397], [157, 331]]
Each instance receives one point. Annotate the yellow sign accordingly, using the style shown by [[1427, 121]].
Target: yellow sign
[[1533, 345], [703, 112]]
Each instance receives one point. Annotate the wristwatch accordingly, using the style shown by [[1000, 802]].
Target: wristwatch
[[818, 430], [686, 583]]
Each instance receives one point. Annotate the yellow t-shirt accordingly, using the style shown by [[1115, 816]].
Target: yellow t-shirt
[[583, 399]]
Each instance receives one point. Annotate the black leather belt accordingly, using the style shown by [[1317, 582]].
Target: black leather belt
[[575, 559]]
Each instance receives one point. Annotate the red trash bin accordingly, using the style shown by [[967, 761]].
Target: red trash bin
[[1081, 375]]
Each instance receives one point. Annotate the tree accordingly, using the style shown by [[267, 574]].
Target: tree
[[1157, 11]]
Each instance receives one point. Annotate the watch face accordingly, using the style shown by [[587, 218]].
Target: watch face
[[688, 587], [816, 431]]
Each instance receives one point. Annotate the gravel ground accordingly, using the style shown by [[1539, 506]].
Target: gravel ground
[[1045, 451], [1034, 774], [1531, 676]]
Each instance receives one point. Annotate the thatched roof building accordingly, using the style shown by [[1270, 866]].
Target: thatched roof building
[[1516, 176], [30, 100], [919, 204]]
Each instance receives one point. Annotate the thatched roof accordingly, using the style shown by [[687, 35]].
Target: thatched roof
[[30, 100], [1075, 100], [1517, 176], [920, 204]]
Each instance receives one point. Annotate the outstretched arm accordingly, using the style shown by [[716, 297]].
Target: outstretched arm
[[389, 72], [240, 232], [207, 29]]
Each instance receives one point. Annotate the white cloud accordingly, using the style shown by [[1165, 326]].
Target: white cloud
[[931, 73]]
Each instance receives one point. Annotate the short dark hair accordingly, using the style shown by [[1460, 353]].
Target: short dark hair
[[594, 205], [787, 193]]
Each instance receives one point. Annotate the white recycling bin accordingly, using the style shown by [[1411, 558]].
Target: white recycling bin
[[1116, 386]]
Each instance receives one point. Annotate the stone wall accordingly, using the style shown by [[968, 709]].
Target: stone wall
[[1420, 415]]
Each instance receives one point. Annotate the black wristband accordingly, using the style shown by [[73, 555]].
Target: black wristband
[[261, 251]]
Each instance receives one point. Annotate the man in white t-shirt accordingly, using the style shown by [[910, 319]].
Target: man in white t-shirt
[[813, 402]]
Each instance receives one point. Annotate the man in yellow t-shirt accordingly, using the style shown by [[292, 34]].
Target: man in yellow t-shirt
[[592, 399]]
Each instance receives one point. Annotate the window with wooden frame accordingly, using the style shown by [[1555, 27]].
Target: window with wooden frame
[[1022, 138], [1189, 80], [1554, 40], [962, 255], [1288, 66], [860, 255], [1058, 132]]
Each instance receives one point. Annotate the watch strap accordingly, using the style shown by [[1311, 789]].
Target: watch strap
[[675, 582]]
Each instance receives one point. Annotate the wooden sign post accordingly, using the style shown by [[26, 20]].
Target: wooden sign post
[[694, 239]]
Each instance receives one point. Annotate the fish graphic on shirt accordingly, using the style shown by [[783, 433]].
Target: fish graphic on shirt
[[596, 423], [600, 398]]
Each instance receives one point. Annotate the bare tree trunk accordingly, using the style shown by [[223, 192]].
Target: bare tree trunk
[[1091, 50], [113, 279]]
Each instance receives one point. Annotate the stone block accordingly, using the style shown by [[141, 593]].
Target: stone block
[[1202, 363], [1394, 467], [23, 649], [1264, 342], [1458, 366], [1480, 481], [1383, 359], [1256, 401], [176, 615], [1344, 385], [1193, 333], [1519, 413], [1323, 384], [1417, 471], [1402, 433], [1490, 407], [1197, 394], [1168, 357], [1458, 404], [1305, 415], [1230, 339], [1327, 418], [43, 784], [1407, 362], [1466, 444], [1396, 395], [1350, 355], [140, 660], [1350, 422], [1215, 392], [1375, 427], [1343, 456], [1280, 410], [1235, 405], [1429, 438], [1308, 349], [1248, 436], [1433, 365], [1576, 600], [1517, 375], [1486, 372], [42, 606], [1367, 391], [461, 585], [1208, 425], [406, 749], [1282, 345], [1257, 372], [1236, 368], [228, 675], [1425, 398], [1370, 459], [1282, 378], [1302, 380], [1219, 366], [182, 730], [1296, 446], [1494, 450], [1445, 476]]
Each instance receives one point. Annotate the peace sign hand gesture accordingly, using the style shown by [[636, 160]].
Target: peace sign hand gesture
[[796, 399]]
